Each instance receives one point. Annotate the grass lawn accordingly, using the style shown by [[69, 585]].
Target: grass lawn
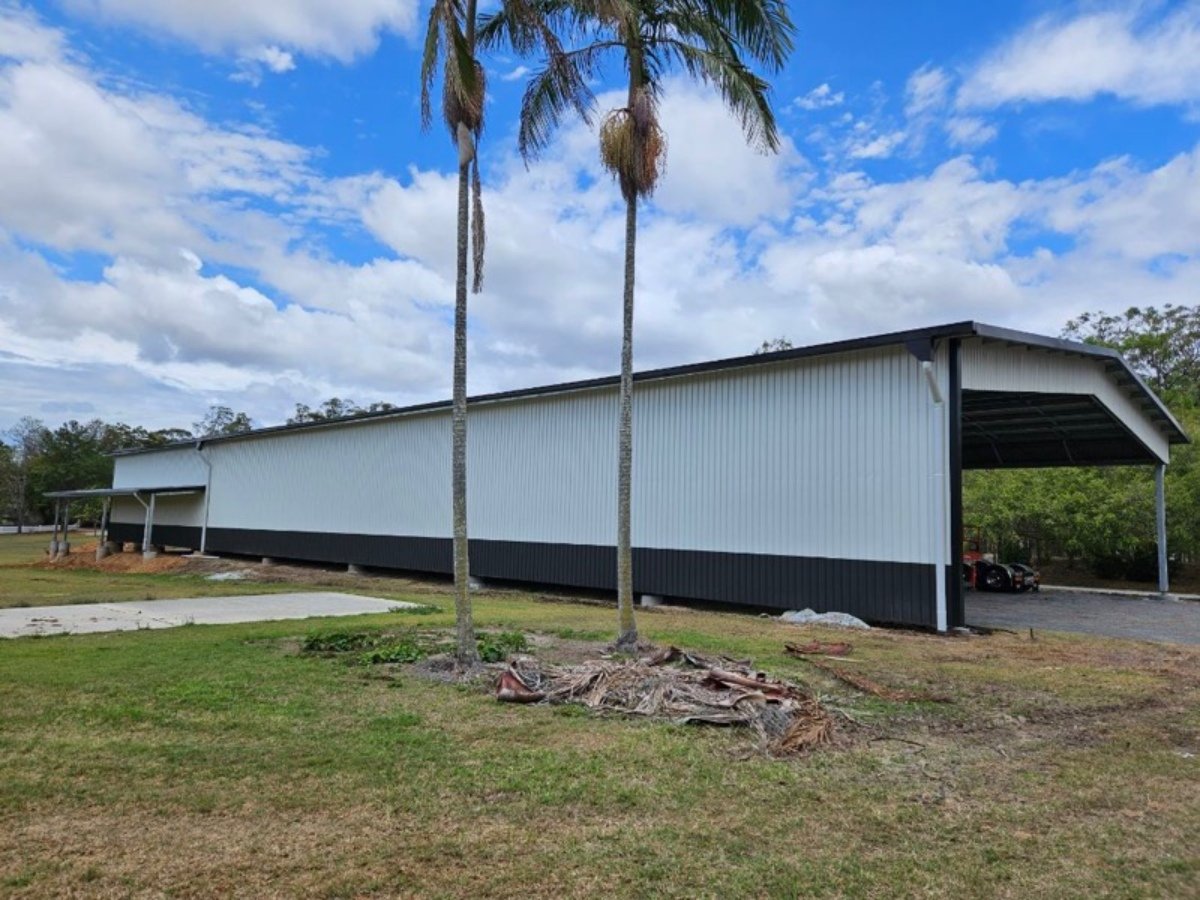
[[222, 760]]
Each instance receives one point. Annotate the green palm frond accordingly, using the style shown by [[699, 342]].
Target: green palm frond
[[763, 28], [713, 41], [744, 93], [430, 57], [529, 26], [561, 86]]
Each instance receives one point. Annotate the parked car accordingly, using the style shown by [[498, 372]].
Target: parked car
[[994, 576], [1032, 580]]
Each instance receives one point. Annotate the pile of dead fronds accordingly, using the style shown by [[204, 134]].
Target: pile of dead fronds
[[679, 687]]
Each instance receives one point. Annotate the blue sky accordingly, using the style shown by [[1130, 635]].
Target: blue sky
[[229, 202]]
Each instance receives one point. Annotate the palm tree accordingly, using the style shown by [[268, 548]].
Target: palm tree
[[709, 40], [450, 41]]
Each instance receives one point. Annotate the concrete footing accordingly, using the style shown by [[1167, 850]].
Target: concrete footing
[[268, 560], [649, 600], [354, 569], [476, 584], [64, 548], [149, 554], [102, 551]]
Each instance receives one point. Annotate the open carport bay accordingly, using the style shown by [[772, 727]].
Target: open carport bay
[[1113, 615]]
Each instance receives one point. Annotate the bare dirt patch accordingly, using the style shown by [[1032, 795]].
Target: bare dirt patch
[[83, 556]]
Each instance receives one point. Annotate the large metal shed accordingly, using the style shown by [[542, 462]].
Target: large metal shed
[[826, 476]]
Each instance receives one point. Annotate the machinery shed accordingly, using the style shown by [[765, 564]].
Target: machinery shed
[[826, 476]]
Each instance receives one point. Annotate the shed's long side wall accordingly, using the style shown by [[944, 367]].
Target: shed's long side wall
[[806, 483]]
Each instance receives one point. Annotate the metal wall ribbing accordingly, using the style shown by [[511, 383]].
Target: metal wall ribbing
[[171, 467], [818, 457], [389, 476], [185, 509], [827, 457]]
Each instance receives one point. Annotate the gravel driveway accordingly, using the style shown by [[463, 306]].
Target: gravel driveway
[[1142, 618]]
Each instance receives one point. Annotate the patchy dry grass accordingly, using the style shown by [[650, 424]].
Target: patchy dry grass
[[29, 578], [220, 760]]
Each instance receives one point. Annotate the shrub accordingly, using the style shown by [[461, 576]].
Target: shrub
[[497, 647], [401, 650], [339, 641]]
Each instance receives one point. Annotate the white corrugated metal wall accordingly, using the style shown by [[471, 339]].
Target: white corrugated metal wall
[[172, 467], [185, 510], [825, 457]]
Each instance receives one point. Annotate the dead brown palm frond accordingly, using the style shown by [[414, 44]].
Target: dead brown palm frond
[[811, 726], [463, 98], [874, 688], [681, 688], [819, 648]]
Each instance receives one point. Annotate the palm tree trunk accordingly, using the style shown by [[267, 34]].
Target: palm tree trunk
[[627, 635], [466, 653]]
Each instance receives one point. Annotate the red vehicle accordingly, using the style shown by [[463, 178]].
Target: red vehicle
[[982, 573]]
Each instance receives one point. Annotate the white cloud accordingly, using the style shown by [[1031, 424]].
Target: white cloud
[[711, 172], [253, 63], [1120, 210], [516, 74], [876, 146], [968, 131], [85, 167], [338, 29], [1136, 54], [219, 282], [23, 38], [820, 97], [926, 91]]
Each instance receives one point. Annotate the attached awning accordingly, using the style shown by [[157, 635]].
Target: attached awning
[[98, 493], [1003, 429]]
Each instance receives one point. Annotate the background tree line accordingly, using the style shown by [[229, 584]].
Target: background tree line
[[35, 458]]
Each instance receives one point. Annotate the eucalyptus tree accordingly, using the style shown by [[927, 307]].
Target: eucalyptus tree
[[711, 41]]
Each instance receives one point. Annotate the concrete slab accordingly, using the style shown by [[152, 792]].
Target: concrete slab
[[88, 618]]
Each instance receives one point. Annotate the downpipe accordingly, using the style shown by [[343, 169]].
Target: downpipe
[[939, 487], [200, 448]]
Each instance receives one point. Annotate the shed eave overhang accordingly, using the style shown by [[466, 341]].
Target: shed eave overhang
[[95, 493], [1117, 367]]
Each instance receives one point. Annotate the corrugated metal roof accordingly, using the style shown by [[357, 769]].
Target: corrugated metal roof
[[913, 338]]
